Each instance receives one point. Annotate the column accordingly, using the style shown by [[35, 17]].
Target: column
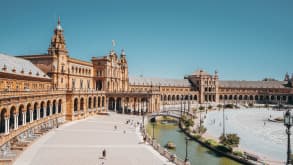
[[122, 104], [31, 115], [51, 109], [7, 125], [38, 113], [115, 99], [15, 121], [139, 107], [106, 104], [23, 118], [44, 112]]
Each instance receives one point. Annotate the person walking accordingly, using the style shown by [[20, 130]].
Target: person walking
[[104, 153]]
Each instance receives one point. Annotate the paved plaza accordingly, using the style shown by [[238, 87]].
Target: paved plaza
[[82, 142], [257, 134]]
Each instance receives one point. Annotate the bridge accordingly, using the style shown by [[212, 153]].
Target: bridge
[[175, 113]]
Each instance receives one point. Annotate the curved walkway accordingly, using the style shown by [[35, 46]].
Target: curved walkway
[[82, 142]]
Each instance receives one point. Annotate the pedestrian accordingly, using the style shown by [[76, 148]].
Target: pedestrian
[[115, 127], [104, 153], [124, 131]]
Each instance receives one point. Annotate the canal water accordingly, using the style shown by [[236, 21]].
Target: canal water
[[197, 154]]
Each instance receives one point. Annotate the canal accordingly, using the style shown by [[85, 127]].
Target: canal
[[197, 154]]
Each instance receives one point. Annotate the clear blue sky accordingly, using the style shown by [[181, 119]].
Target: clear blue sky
[[242, 39]]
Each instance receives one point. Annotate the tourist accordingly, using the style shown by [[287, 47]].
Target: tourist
[[104, 153]]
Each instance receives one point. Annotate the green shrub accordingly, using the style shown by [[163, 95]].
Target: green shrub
[[201, 108], [202, 129], [219, 106], [224, 148], [211, 142], [183, 118], [238, 153], [229, 106], [188, 123], [230, 140]]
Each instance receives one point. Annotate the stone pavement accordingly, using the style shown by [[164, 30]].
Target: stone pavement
[[82, 142]]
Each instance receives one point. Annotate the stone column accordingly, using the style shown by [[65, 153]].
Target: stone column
[[106, 100], [38, 113], [15, 121], [51, 109], [31, 115], [139, 107], [23, 118], [122, 104], [6, 125], [44, 112]]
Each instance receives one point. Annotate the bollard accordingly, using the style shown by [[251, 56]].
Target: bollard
[[173, 157], [165, 151], [158, 146]]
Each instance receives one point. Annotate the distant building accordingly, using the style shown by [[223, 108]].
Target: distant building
[[41, 90]]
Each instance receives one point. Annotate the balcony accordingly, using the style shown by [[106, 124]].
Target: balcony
[[8, 94]]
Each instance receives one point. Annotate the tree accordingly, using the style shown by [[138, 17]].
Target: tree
[[201, 108], [219, 106], [189, 123], [183, 118], [210, 107], [201, 129], [231, 140]]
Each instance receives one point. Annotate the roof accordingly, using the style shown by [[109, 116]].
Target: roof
[[159, 82], [200, 72], [20, 66], [252, 84]]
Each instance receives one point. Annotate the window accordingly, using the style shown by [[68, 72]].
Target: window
[[73, 83], [62, 68], [81, 84], [88, 84]]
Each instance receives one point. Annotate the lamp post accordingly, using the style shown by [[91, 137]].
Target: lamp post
[[153, 130], [142, 119], [288, 124], [186, 149], [224, 119], [57, 125], [184, 107]]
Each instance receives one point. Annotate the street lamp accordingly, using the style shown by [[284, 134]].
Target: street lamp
[[224, 119], [153, 130], [142, 119], [288, 124], [186, 149]]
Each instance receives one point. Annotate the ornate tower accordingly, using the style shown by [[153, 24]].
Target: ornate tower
[[205, 84], [59, 53], [287, 77], [124, 70]]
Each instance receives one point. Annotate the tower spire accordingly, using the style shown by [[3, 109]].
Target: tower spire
[[59, 24], [57, 42]]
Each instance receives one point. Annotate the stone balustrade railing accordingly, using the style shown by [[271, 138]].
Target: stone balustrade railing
[[4, 138], [4, 94]]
